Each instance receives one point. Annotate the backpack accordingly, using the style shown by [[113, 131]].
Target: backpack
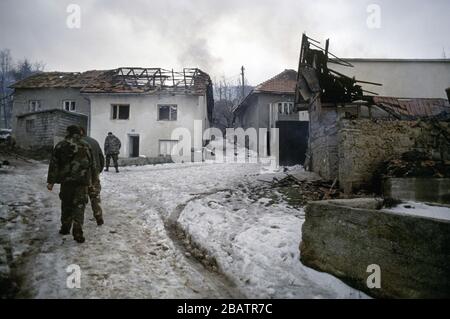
[[77, 164]]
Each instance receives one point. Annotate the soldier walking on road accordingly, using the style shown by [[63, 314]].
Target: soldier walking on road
[[112, 150], [72, 165], [95, 188]]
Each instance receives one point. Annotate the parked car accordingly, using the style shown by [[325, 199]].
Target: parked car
[[4, 134]]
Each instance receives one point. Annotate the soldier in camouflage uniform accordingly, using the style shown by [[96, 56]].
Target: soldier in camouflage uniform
[[72, 165], [112, 150], [95, 188]]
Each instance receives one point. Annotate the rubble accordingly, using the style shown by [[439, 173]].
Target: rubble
[[300, 191], [415, 164]]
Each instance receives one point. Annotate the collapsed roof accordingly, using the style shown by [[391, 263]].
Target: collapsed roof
[[150, 80], [411, 109], [127, 81], [315, 77], [123, 80]]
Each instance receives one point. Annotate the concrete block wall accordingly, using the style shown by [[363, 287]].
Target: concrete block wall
[[49, 128], [344, 237]]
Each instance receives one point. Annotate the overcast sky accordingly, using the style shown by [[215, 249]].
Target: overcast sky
[[218, 36]]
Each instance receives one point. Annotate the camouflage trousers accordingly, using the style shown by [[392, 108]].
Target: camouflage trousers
[[73, 202], [115, 158], [94, 195]]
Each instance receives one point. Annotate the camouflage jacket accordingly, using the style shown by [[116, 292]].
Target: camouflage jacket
[[96, 152], [112, 145], [72, 162]]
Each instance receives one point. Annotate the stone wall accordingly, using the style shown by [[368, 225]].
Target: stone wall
[[344, 237], [364, 144]]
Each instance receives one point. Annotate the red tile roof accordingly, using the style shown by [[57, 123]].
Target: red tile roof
[[283, 83]]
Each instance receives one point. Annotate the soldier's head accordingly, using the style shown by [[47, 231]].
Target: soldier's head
[[110, 134], [73, 130]]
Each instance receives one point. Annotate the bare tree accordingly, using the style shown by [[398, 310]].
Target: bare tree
[[6, 68], [10, 73], [228, 94], [25, 68]]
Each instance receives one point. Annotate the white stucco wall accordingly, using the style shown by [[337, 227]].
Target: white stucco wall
[[401, 78], [143, 120]]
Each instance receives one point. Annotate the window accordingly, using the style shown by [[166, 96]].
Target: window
[[29, 125], [303, 116], [285, 108], [167, 112], [120, 111], [34, 105], [69, 106], [165, 147]]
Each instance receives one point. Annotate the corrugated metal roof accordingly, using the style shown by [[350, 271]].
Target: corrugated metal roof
[[413, 108]]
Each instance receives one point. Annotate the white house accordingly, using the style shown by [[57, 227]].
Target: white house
[[142, 107], [407, 78]]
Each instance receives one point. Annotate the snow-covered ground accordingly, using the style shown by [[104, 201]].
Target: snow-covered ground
[[422, 209], [254, 240]]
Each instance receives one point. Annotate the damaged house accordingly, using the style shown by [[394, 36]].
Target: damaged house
[[141, 106], [271, 105], [352, 130], [44, 104]]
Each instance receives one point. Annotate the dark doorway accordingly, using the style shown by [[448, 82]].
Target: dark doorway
[[293, 139], [134, 145]]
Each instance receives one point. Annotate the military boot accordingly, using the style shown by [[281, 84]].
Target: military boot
[[65, 229], [77, 233], [99, 221], [117, 169]]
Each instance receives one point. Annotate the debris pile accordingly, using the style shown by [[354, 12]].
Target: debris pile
[[415, 164], [299, 192]]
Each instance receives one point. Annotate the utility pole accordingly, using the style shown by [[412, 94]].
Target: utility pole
[[243, 85]]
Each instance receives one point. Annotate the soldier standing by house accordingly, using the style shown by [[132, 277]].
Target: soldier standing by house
[[72, 165], [95, 188], [112, 150]]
